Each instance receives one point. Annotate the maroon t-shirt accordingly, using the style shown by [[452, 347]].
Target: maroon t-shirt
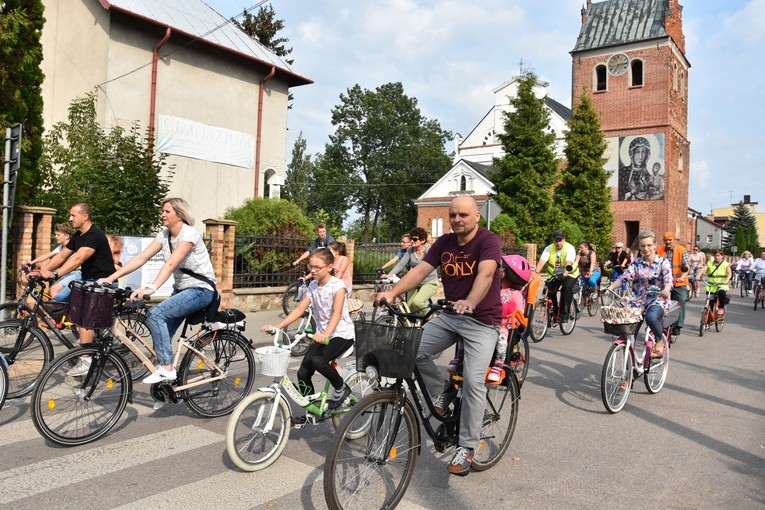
[[459, 266]]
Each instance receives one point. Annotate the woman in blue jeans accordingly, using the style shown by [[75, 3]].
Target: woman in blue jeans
[[647, 271], [187, 260]]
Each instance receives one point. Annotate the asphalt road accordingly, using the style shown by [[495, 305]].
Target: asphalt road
[[699, 443]]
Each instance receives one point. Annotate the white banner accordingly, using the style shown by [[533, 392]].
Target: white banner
[[191, 139]]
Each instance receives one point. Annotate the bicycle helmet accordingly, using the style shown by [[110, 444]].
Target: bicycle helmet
[[517, 269]]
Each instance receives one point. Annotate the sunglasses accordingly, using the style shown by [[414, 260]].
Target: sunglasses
[[415, 239]]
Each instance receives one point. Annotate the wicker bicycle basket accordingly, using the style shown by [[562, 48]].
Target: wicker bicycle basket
[[392, 349], [619, 320], [273, 360]]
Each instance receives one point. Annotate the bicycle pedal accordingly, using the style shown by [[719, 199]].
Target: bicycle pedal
[[298, 422]]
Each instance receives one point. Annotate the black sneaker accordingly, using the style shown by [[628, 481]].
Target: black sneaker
[[338, 397], [675, 331]]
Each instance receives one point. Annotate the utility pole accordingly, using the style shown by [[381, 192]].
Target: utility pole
[[11, 165]]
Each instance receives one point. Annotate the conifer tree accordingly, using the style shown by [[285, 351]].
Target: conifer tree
[[528, 170], [583, 195], [741, 230]]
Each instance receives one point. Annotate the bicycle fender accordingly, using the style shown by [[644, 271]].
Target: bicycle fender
[[619, 341]]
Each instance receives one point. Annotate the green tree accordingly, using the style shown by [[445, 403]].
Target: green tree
[[383, 154], [114, 171], [264, 27], [21, 23], [529, 169], [583, 195], [270, 218], [297, 185], [741, 230]]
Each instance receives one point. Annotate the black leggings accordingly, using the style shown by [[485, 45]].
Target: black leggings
[[318, 359]]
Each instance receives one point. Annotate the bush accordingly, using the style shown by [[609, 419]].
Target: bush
[[270, 218]]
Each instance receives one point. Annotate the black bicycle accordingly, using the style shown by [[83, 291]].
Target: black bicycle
[[373, 456]]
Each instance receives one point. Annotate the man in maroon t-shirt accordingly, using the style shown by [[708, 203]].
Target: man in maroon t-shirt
[[469, 259]]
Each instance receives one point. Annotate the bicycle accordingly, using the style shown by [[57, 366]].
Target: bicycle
[[543, 316], [693, 287], [259, 427], [759, 293], [294, 293], [743, 277], [735, 279], [382, 285], [628, 358], [3, 380], [710, 314], [372, 458], [590, 298], [216, 372]]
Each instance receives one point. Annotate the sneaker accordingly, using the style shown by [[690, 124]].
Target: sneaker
[[160, 376], [444, 400], [720, 313], [675, 331], [338, 397], [460, 463], [454, 366], [81, 368], [298, 422], [495, 374]]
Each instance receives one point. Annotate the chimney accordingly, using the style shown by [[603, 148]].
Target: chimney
[[747, 199]]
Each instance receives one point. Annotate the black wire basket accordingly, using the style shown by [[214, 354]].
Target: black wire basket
[[390, 348]]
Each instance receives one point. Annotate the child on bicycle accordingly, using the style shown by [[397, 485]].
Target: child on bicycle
[[718, 278], [516, 272], [326, 295]]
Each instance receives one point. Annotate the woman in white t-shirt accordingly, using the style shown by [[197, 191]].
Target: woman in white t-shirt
[[186, 258]]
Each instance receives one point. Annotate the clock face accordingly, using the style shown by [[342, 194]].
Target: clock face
[[617, 64]]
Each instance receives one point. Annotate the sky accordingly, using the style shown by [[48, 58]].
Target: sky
[[450, 55]]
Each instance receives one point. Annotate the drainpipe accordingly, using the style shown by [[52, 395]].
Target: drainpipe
[[153, 92], [260, 124]]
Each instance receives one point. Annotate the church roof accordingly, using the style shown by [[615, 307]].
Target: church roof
[[197, 20], [484, 170], [562, 110], [617, 22]]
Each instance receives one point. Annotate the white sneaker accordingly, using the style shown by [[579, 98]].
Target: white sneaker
[[81, 368], [160, 375]]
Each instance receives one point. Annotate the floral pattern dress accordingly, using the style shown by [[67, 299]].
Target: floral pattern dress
[[642, 275]]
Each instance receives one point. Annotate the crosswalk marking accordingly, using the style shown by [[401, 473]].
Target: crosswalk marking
[[32, 479]]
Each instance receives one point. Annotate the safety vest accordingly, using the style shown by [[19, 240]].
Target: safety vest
[[681, 280], [716, 275], [550, 266]]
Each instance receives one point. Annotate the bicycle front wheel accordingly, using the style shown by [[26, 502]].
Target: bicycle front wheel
[[75, 410], [232, 354], [35, 354], [743, 288], [373, 471], [568, 327], [657, 372], [500, 416], [3, 382], [292, 296], [593, 303], [540, 319], [361, 386], [616, 378], [704, 320], [253, 440]]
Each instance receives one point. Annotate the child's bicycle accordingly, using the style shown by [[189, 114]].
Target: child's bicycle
[[711, 314], [629, 356], [693, 288], [259, 427]]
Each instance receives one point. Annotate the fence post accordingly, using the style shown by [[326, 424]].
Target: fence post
[[222, 233], [531, 253], [33, 236]]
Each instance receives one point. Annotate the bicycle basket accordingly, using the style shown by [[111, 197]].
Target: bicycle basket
[[392, 349], [91, 307], [619, 320], [273, 360]]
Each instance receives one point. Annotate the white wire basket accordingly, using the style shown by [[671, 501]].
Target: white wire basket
[[273, 360]]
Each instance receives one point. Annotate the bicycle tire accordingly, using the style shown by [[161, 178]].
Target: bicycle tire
[[568, 327], [518, 357], [231, 352], [25, 368], [743, 288], [606, 298], [249, 447], [375, 470], [389, 319], [299, 326], [704, 319], [540, 320], [140, 334], [3, 382], [359, 316], [9, 310], [59, 409], [656, 374], [719, 324], [612, 390], [500, 417], [291, 296], [593, 303], [361, 386]]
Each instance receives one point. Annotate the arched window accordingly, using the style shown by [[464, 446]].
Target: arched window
[[463, 183], [601, 80], [682, 84], [674, 76], [636, 73]]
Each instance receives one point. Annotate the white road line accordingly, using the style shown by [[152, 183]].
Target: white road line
[[33, 479]]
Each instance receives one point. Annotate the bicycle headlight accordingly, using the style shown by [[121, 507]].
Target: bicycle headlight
[[372, 372]]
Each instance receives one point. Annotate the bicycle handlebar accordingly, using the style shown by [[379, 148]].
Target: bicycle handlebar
[[276, 332], [441, 304]]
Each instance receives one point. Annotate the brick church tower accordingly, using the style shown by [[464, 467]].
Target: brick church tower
[[630, 59]]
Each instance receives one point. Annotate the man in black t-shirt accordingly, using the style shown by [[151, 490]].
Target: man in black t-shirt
[[88, 248]]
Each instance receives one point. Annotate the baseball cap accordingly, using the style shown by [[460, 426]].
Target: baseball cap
[[558, 234], [668, 235]]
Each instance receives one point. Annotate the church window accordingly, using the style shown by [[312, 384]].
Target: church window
[[636, 73], [674, 76], [463, 183], [682, 84], [601, 82]]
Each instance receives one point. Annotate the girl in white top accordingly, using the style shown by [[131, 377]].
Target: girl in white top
[[327, 298]]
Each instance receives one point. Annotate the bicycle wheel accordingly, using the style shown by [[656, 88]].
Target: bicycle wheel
[[374, 470], [568, 327], [719, 323], [540, 319], [72, 411], [3, 381], [606, 298], [500, 416], [704, 319], [10, 310], [616, 378], [359, 316], [292, 296], [252, 442], [231, 352], [36, 352], [389, 319], [518, 357], [743, 288], [593, 303], [140, 335], [361, 386], [657, 372], [306, 321]]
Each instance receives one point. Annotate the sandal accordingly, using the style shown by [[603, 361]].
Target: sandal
[[658, 352]]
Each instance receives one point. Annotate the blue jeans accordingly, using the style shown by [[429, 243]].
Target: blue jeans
[[653, 315], [65, 293], [166, 317], [593, 280]]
